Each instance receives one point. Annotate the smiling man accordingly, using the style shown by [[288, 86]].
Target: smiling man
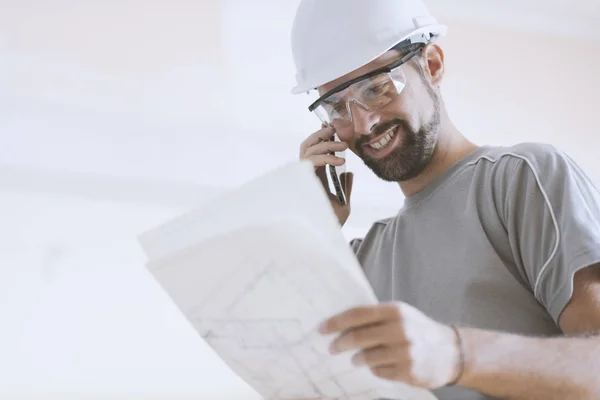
[[489, 275]]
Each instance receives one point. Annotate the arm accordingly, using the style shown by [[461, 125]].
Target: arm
[[517, 367], [551, 212]]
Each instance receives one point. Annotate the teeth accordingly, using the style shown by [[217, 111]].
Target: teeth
[[384, 140]]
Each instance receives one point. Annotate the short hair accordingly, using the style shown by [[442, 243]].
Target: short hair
[[404, 49], [416, 61]]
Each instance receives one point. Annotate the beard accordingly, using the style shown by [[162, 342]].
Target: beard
[[411, 156]]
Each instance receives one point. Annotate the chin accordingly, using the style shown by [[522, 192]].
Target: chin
[[402, 165]]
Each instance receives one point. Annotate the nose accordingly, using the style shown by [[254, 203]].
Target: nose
[[363, 119]]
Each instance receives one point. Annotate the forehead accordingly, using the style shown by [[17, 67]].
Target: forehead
[[379, 62]]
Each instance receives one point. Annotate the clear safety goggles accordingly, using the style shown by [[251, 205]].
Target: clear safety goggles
[[371, 91]]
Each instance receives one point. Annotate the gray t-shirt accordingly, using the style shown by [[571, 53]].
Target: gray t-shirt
[[491, 244]]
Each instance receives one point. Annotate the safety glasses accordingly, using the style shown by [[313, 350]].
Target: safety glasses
[[371, 91]]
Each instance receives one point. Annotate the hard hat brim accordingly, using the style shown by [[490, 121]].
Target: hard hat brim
[[438, 29]]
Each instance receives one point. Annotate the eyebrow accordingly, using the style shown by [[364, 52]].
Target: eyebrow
[[330, 102]]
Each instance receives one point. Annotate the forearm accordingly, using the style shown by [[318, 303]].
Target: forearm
[[518, 367]]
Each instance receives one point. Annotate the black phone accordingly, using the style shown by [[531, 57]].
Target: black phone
[[335, 180]]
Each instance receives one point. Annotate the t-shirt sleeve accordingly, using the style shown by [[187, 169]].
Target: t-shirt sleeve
[[355, 244], [552, 215]]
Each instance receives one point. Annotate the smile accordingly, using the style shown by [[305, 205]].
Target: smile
[[386, 138]]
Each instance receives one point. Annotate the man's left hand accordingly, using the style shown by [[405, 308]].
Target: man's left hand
[[397, 342]]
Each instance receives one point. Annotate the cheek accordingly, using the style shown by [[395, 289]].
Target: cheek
[[421, 103], [346, 135], [401, 108]]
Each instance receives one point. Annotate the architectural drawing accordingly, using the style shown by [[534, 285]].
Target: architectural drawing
[[260, 308]]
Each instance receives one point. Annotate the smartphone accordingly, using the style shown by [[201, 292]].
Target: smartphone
[[334, 176]]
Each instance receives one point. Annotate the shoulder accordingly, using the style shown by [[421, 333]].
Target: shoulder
[[541, 161], [538, 167], [534, 154], [526, 151]]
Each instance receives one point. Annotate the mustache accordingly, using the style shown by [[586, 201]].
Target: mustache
[[384, 126]]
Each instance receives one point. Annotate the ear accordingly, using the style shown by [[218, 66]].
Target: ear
[[434, 66]]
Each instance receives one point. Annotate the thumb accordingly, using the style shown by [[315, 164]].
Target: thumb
[[347, 179]]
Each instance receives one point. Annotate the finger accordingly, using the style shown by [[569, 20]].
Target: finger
[[324, 148], [317, 137], [322, 174], [365, 338], [359, 316], [347, 179], [380, 356], [326, 159], [388, 372]]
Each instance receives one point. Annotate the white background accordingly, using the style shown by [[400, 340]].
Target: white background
[[116, 117]]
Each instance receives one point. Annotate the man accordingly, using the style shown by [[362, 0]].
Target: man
[[489, 276]]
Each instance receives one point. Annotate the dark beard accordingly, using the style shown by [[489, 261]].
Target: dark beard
[[412, 156]]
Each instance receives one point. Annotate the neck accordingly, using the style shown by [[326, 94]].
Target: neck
[[450, 148]]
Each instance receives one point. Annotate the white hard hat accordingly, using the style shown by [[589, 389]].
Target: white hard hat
[[331, 38]]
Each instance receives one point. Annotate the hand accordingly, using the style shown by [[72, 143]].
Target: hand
[[317, 148], [397, 342]]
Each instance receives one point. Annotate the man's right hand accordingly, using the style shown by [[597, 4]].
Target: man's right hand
[[317, 148]]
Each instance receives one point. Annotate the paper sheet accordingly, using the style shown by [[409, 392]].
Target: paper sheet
[[255, 284]]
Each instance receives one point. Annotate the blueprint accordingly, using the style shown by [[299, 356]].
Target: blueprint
[[256, 292]]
